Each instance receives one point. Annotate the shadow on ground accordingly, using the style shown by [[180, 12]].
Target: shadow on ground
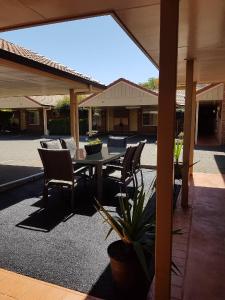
[[54, 245], [10, 173]]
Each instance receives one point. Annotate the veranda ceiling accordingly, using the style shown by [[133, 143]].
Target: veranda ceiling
[[201, 27]]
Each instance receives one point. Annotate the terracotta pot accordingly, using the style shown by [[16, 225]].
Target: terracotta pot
[[178, 170], [129, 279]]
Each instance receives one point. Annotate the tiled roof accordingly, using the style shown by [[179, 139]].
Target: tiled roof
[[180, 99], [35, 57]]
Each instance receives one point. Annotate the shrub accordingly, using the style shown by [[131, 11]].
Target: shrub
[[59, 126], [62, 126], [83, 124]]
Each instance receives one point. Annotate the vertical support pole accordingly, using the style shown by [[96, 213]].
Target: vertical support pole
[[89, 120], [108, 119], [22, 119], [196, 122], [45, 121], [169, 18], [187, 131], [193, 125], [74, 117]]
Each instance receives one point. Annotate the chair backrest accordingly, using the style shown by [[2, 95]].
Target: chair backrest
[[137, 155], [69, 144], [127, 162], [51, 144], [117, 141], [57, 164]]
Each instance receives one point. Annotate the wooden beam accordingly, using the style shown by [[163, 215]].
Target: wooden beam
[[169, 17], [74, 117], [188, 123]]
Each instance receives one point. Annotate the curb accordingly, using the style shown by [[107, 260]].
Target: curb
[[15, 183], [149, 167]]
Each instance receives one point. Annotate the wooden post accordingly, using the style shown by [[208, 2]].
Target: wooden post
[[90, 120], [45, 121], [169, 18], [193, 125], [74, 117], [188, 123]]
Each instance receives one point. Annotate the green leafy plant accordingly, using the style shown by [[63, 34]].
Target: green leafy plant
[[135, 226], [178, 146], [132, 226], [94, 142]]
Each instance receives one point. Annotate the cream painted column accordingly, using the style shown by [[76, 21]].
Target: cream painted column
[[169, 18], [45, 121], [90, 120], [189, 119], [74, 117]]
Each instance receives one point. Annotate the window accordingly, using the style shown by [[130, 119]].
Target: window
[[33, 117], [149, 118]]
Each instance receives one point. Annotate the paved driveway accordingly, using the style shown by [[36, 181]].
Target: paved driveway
[[19, 156]]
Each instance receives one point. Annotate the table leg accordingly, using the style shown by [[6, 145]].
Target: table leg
[[99, 182]]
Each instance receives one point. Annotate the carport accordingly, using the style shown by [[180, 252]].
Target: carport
[[24, 73]]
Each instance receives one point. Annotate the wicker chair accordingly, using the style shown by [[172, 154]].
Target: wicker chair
[[117, 141], [51, 144], [69, 143], [58, 171], [122, 174], [136, 163]]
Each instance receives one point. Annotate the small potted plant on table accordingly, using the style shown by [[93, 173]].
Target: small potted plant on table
[[93, 146]]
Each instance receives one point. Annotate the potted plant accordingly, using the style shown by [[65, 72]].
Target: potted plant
[[93, 146], [178, 166], [178, 146], [132, 256]]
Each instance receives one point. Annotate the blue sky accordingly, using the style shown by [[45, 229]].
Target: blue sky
[[97, 47]]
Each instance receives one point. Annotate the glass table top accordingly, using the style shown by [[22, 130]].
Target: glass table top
[[106, 154]]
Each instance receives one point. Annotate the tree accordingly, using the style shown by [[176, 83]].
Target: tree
[[63, 106], [152, 83]]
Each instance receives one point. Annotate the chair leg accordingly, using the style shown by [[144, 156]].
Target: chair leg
[[72, 199], [45, 195], [142, 177]]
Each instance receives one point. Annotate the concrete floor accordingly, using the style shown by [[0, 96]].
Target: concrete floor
[[203, 254], [19, 156], [205, 272]]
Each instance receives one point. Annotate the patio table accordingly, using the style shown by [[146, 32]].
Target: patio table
[[106, 155]]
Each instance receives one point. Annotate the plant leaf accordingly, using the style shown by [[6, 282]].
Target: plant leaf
[[141, 257]]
